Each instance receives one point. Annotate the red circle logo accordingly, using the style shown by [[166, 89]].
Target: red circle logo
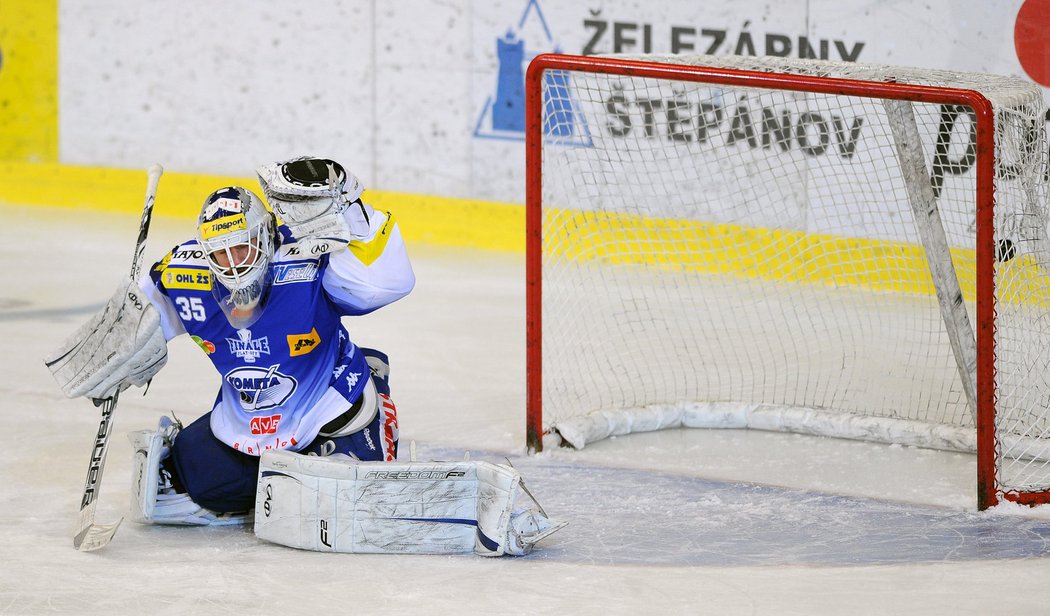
[[1032, 39]]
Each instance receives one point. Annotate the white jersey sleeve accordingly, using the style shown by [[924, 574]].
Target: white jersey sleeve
[[374, 271]]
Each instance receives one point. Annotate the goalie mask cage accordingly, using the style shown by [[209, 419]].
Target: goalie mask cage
[[807, 246]]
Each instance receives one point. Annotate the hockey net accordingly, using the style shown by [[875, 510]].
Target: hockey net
[[815, 247]]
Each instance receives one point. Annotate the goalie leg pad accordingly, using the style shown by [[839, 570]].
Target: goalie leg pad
[[509, 522], [337, 505], [149, 448], [153, 498]]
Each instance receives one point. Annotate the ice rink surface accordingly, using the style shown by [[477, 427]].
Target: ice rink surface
[[678, 522]]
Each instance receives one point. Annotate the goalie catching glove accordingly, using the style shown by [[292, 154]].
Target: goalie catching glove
[[122, 345], [318, 200]]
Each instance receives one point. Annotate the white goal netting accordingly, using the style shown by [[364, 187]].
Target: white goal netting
[[719, 255]]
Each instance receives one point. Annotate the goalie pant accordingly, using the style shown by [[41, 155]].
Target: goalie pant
[[222, 479], [339, 505]]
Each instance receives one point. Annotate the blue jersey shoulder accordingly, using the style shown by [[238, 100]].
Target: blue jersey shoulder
[[184, 267]]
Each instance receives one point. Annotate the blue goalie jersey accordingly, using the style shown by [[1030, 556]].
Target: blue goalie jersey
[[294, 368]]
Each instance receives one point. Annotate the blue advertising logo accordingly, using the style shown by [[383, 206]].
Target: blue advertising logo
[[503, 114]]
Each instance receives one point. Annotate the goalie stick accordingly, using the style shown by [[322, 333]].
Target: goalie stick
[[89, 536]]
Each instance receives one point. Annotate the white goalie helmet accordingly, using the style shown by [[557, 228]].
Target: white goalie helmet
[[237, 234]]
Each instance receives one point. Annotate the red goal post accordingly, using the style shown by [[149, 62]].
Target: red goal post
[[563, 70]]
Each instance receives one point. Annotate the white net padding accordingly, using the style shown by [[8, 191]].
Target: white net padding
[[729, 256]]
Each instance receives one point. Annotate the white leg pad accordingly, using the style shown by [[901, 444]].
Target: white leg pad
[[150, 504], [505, 526], [149, 450], [341, 505]]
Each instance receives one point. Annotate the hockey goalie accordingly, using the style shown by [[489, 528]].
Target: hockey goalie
[[303, 431]]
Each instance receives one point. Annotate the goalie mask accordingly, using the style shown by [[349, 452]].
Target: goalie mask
[[237, 234]]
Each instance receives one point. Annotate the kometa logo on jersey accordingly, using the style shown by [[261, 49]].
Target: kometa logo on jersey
[[261, 389], [248, 349]]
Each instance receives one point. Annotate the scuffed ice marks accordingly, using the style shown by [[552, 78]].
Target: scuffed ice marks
[[620, 516]]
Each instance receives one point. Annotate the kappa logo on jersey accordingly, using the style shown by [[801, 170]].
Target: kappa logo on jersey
[[287, 273], [351, 379], [247, 348], [260, 388], [265, 425], [302, 344]]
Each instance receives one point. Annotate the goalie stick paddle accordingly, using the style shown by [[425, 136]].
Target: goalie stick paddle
[[89, 536]]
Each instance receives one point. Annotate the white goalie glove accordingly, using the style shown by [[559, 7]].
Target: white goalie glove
[[122, 345], [318, 199]]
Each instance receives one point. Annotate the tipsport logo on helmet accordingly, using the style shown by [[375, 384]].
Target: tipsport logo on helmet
[[261, 388], [223, 225], [223, 213]]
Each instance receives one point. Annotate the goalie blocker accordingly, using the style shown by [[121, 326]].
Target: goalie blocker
[[341, 505]]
